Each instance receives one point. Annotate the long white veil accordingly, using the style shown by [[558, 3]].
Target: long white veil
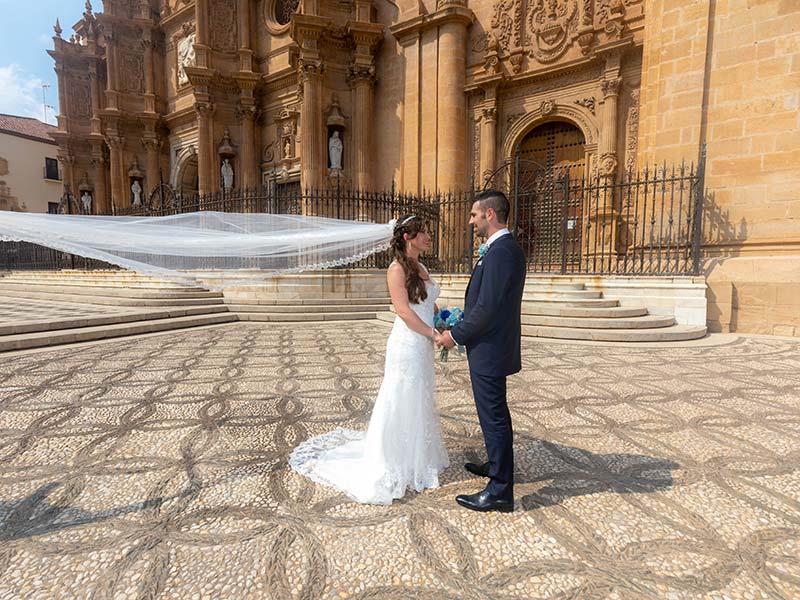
[[169, 246]]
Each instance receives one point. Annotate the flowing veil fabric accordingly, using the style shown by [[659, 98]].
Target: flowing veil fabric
[[169, 246]]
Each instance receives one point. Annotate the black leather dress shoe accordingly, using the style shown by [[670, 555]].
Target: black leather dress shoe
[[481, 470], [485, 502]]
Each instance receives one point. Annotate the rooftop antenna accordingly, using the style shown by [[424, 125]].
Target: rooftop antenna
[[44, 100]]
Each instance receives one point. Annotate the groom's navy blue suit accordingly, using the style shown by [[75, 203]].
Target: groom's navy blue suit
[[491, 331]]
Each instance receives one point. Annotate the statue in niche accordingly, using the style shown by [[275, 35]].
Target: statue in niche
[[86, 200], [136, 190], [227, 175], [335, 148], [287, 149]]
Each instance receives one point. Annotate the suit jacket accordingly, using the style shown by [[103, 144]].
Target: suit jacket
[[492, 327]]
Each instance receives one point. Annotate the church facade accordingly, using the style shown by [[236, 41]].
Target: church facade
[[204, 95]]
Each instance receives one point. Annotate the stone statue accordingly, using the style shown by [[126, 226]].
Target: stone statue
[[335, 151], [287, 149], [86, 200], [186, 57], [136, 189], [227, 175]]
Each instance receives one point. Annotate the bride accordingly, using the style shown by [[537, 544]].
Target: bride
[[403, 445]]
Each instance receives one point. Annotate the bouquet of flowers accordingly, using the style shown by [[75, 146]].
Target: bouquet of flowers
[[444, 321]]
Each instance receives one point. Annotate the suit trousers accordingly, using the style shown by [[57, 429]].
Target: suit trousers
[[495, 420]]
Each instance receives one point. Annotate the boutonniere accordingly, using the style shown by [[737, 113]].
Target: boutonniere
[[483, 249]]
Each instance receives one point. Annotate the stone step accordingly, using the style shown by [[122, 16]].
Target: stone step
[[643, 322], [21, 327], [110, 300], [676, 333], [305, 308], [124, 292], [309, 301], [41, 339], [557, 310], [239, 296], [458, 300], [300, 317], [104, 283]]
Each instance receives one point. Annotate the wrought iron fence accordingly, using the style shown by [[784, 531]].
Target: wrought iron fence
[[24, 256], [643, 223]]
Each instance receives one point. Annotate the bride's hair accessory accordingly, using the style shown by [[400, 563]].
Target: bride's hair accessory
[[405, 221]]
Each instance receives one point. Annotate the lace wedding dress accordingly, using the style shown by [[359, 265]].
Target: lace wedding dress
[[403, 445]]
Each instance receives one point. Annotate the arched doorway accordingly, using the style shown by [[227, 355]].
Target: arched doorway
[[188, 184]]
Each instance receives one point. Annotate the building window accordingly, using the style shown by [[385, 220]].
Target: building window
[[51, 169], [52, 208]]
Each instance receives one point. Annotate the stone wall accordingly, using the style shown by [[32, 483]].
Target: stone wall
[[727, 72]]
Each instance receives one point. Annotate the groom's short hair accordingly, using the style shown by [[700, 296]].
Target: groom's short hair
[[497, 201]]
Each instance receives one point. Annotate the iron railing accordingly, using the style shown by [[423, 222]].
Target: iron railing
[[644, 223]]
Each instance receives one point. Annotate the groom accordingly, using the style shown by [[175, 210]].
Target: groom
[[491, 332]]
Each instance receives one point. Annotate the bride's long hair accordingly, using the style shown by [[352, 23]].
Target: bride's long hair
[[415, 285]]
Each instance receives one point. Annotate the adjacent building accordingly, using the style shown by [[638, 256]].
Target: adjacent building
[[30, 174]]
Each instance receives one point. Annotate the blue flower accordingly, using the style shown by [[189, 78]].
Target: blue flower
[[444, 314], [483, 249]]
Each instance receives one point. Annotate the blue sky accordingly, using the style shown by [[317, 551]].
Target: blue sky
[[26, 33]]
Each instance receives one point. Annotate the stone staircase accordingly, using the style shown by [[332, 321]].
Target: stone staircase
[[87, 306], [555, 307], [82, 306]]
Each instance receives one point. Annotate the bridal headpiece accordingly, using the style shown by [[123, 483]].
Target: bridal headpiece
[[394, 224]]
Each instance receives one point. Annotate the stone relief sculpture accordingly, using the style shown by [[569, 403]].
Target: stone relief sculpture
[[335, 148], [550, 23], [186, 57]]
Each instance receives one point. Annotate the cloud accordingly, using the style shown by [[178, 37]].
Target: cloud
[[20, 93]]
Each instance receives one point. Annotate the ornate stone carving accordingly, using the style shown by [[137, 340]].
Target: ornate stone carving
[[632, 129], [79, 97], [551, 23], [335, 149], [547, 107], [512, 118], [489, 113], [610, 87], [476, 148], [186, 57], [308, 67], [507, 24], [268, 155], [589, 103], [223, 25], [516, 62], [358, 74], [608, 164], [609, 9], [587, 20], [132, 68], [226, 172]]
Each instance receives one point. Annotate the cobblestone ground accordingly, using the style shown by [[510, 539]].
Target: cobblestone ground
[[156, 468]]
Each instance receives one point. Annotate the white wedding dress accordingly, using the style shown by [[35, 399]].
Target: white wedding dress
[[403, 445]]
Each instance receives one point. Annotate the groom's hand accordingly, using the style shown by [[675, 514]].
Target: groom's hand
[[446, 341]]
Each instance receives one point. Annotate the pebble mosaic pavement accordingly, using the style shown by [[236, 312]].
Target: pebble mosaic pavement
[[155, 467]]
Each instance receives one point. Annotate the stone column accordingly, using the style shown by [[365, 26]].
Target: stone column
[[62, 97], [202, 50], [94, 87], [149, 70], [100, 197], [245, 51], [119, 198], [152, 145], [488, 149], [112, 76], [608, 129], [68, 164], [205, 159], [314, 159], [452, 106], [362, 80], [249, 177]]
